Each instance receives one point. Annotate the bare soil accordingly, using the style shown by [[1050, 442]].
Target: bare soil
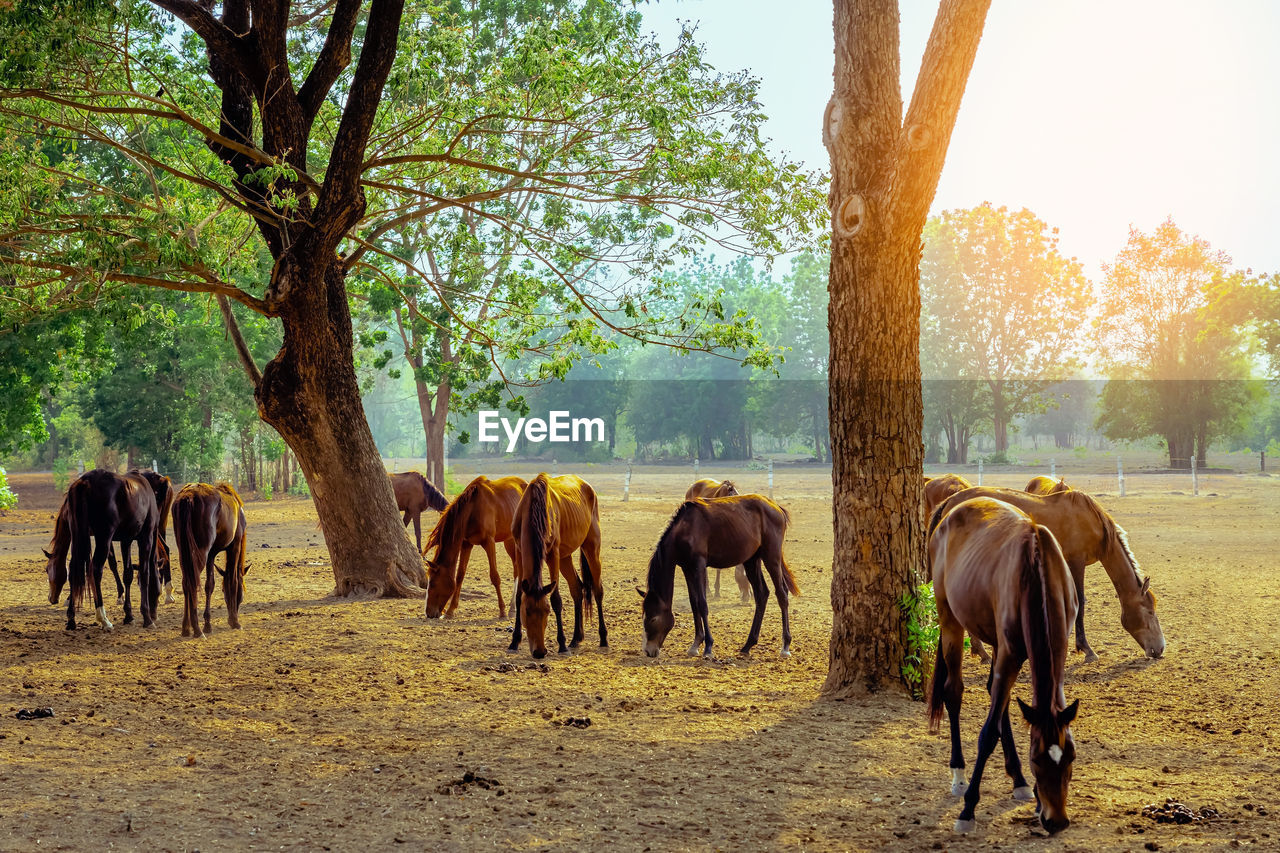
[[327, 724]]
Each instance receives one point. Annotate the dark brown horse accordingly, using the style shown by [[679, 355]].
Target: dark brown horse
[[716, 489], [1087, 534], [415, 495], [1045, 486], [480, 515], [747, 529], [109, 507], [1001, 577], [555, 517], [208, 521]]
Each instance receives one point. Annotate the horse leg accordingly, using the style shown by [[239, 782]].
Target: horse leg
[[1012, 764], [1082, 644], [557, 605], [950, 658], [744, 585], [464, 559], [1004, 673], [591, 556], [695, 578], [100, 552], [762, 598], [565, 564], [209, 571], [231, 585], [718, 582], [494, 578], [115, 572], [125, 548], [783, 592], [417, 529], [515, 634], [976, 648], [148, 578]]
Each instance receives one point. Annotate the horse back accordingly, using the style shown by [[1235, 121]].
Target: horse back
[[1079, 525]]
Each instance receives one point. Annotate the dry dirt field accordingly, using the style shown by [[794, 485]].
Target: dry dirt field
[[348, 725]]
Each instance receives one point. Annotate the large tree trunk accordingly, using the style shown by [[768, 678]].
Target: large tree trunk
[[999, 417], [434, 409], [310, 394], [884, 174]]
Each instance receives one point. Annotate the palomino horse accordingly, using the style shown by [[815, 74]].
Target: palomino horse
[[717, 489], [207, 521], [745, 529], [1087, 534], [938, 489], [111, 507], [555, 517], [482, 516], [1001, 577], [1045, 486], [414, 495]]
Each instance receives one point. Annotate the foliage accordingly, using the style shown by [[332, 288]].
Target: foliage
[[8, 500], [920, 613]]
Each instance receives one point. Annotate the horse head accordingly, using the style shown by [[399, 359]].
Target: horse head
[[1141, 622], [658, 621], [56, 569], [535, 609], [441, 583], [1052, 752]]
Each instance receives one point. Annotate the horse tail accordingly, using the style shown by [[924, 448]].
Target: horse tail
[[78, 522], [588, 585], [937, 691], [1037, 634], [433, 496], [789, 577]]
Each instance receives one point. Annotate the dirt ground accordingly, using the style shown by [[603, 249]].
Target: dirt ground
[[342, 725]]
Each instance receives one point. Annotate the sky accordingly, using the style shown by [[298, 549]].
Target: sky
[[1094, 114]]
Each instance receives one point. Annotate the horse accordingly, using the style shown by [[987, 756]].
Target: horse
[[209, 520], [480, 515], [555, 517], [746, 529], [1045, 486], [414, 494], [1002, 577], [938, 489], [1087, 534], [113, 507], [716, 489]]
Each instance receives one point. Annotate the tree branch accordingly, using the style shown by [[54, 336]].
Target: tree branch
[[242, 349], [332, 61]]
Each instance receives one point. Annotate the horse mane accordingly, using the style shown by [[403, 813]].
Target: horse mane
[[727, 488], [1112, 533], [656, 562], [1035, 603], [433, 496], [535, 528], [450, 518]]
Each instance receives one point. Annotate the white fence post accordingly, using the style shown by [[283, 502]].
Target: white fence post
[[555, 467], [626, 486], [1053, 469], [979, 472], [1120, 475], [770, 479], [155, 466], [1195, 481], [695, 468]]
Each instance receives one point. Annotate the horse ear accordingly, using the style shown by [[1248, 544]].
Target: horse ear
[[640, 592], [47, 555], [1066, 716], [244, 570], [1146, 586], [1028, 713], [546, 590]]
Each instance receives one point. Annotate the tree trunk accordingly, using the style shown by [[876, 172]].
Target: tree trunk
[[1181, 447], [434, 409], [999, 417], [884, 175], [310, 394]]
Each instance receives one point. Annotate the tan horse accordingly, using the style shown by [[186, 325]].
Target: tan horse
[[1002, 577], [707, 488], [414, 495], [1045, 486], [1087, 534], [208, 521], [481, 516], [555, 517], [938, 489]]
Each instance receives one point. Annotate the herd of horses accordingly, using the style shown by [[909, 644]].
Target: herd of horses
[[1007, 567]]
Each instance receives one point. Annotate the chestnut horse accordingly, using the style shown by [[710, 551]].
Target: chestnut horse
[[113, 507], [1087, 534], [207, 521], [1002, 577], [1045, 486], [555, 517], [744, 529], [415, 494], [482, 516], [717, 489], [938, 489]]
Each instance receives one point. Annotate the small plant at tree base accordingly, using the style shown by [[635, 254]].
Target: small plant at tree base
[[8, 500], [922, 637], [265, 490]]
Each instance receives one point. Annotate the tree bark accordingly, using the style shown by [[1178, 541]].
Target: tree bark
[[999, 417], [884, 174]]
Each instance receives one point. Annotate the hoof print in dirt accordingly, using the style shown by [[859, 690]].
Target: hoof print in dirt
[[1175, 812], [573, 722], [34, 714], [512, 667], [470, 779]]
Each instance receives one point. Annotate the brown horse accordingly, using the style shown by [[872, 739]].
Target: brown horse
[[555, 517], [1045, 486], [938, 489], [1002, 577], [716, 489], [110, 507], [746, 529], [207, 521], [414, 495], [482, 516], [1087, 534]]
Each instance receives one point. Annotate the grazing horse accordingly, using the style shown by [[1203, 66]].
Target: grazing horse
[[414, 495], [111, 507], [555, 517], [1087, 534], [745, 529], [482, 516], [56, 565], [938, 489], [717, 489], [209, 520], [1002, 577], [1045, 486]]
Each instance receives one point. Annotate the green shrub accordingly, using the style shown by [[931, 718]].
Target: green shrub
[[8, 500], [922, 638], [61, 473], [265, 491]]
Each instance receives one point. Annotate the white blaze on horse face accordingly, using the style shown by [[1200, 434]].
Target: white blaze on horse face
[[103, 620], [1055, 752]]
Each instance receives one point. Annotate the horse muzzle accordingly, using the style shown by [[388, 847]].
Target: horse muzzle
[[1053, 825], [651, 649]]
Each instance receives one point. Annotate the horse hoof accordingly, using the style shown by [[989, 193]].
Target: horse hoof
[[128, 619], [186, 632], [964, 827], [694, 649], [1024, 794], [784, 654], [958, 789], [1090, 656]]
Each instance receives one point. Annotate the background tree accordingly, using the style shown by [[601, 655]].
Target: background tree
[[1003, 307], [884, 170]]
